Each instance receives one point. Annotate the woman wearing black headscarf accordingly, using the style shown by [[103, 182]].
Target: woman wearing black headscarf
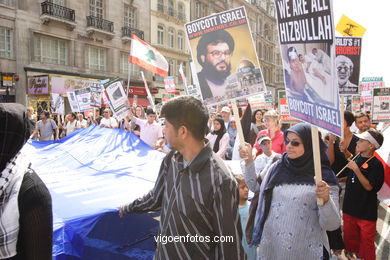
[[26, 223], [288, 223], [219, 138]]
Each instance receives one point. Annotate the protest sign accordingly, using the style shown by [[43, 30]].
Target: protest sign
[[96, 95], [307, 49], [366, 91], [74, 105], [193, 90], [348, 27], [381, 105], [261, 101], [170, 86], [83, 97], [284, 112], [355, 105], [116, 98], [57, 104], [226, 62], [348, 51]]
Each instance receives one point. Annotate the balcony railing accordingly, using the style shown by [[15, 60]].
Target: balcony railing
[[127, 31], [48, 8], [100, 24]]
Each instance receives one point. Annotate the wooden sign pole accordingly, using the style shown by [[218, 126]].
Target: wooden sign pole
[[316, 158], [238, 123]]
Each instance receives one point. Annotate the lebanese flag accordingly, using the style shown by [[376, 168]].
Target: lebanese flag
[[147, 57], [383, 154]]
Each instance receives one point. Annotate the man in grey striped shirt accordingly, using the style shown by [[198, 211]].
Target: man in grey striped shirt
[[197, 195]]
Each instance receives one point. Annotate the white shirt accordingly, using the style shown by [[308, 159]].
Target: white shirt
[[70, 127], [83, 123], [111, 122], [263, 160], [223, 143], [150, 133]]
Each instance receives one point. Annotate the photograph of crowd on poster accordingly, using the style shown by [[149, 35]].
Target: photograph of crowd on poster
[[225, 57], [381, 105], [306, 36], [348, 52]]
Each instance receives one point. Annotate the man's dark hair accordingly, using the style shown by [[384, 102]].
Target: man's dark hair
[[189, 112], [47, 113], [349, 117], [150, 111], [361, 114], [214, 37]]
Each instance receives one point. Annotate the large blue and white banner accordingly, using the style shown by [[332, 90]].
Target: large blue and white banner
[[90, 173]]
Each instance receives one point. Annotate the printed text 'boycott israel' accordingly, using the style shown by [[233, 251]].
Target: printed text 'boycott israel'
[[226, 19]]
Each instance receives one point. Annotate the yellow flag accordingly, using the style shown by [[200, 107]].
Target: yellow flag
[[348, 27]]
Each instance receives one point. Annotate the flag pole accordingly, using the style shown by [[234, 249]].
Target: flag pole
[[148, 91], [129, 71]]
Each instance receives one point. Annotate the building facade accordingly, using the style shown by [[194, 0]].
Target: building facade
[[168, 37], [44, 43]]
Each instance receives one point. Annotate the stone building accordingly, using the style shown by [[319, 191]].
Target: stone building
[[63, 44]]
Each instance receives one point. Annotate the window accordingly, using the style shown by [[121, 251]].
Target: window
[[267, 32], [160, 6], [6, 43], [95, 58], [50, 50], [96, 8], [124, 65], [204, 10], [180, 41], [260, 50], [160, 35], [171, 64], [180, 9], [58, 2], [7, 2], [197, 9], [171, 8], [171, 38], [130, 17]]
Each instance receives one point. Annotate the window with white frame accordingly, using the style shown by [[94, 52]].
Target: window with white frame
[[130, 17], [125, 63], [58, 2], [171, 8], [96, 8], [50, 50], [171, 38], [180, 40], [95, 58], [160, 5], [197, 9], [160, 35], [180, 11], [7, 2], [6, 42]]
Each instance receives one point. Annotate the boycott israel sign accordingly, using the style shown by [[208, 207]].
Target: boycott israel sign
[[308, 50], [225, 58]]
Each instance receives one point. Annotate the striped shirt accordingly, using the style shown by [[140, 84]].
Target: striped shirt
[[198, 202]]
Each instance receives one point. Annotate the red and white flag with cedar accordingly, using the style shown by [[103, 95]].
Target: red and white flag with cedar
[[147, 57]]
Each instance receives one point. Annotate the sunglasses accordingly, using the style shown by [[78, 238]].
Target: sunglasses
[[293, 143]]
